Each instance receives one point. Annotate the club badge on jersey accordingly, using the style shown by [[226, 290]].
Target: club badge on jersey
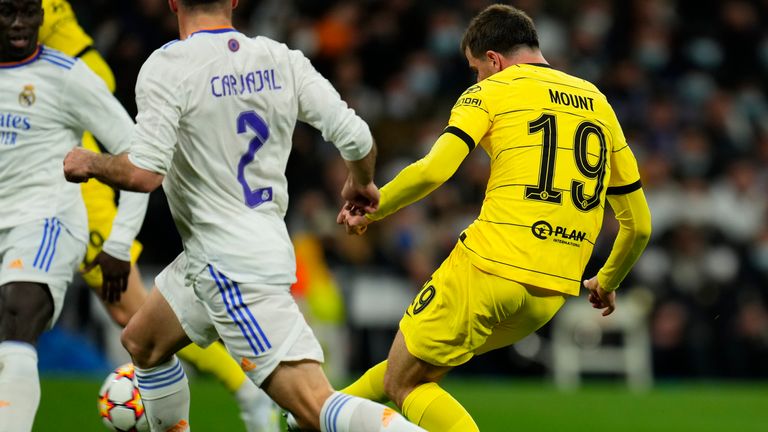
[[27, 96]]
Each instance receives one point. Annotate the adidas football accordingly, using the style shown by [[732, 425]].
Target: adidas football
[[120, 404]]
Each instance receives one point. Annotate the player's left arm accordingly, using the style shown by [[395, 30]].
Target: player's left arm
[[626, 198]]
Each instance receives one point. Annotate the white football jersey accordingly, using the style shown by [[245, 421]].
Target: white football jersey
[[46, 102], [216, 116]]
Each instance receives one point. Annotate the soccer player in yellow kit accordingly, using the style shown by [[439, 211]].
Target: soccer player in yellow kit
[[61, 31], [557, 152]]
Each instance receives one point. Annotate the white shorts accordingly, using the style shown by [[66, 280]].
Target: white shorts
[[43, 251], [260, 324]]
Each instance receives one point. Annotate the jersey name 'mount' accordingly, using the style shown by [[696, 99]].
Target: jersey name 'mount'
[[237, 84], [571, 100]]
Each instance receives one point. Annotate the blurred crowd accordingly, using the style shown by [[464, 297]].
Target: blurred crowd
[[687, 79]]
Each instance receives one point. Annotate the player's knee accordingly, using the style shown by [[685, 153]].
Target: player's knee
[[25, 309], [140, 348]]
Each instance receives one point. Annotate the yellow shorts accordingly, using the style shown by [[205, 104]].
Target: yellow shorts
[[462, 312], [100, 205]]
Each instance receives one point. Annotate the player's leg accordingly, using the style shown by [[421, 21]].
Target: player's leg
[[412, 384], [26, 308], [263, 328], [257, 410], [439, 330], [537, 308], [37, 262], [370, 385], [302, 389], [152, 336]]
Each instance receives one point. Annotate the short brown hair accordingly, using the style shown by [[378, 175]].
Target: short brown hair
[[499, 28]]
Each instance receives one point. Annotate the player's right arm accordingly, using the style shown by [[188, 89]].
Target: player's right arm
[[321, 107]]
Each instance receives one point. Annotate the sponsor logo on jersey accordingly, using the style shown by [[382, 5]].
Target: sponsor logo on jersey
[[543, 230], [469, 101], [27, 96]]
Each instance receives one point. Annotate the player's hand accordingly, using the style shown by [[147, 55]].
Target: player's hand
[[76, 165], [364, 196], [353, 218], [600, 298], [114, 274]]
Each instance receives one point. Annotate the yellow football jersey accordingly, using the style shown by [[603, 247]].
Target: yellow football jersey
[[556, 149], [60, 29]]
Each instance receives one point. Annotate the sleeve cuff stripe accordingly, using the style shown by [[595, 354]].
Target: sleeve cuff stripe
[[461, 135], [623, 190]]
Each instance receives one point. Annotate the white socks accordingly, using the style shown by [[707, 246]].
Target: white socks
[[345, 413], [257, 410], [165, 393], [19, 386]]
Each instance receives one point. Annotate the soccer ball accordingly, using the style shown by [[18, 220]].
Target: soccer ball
[[120, 404]]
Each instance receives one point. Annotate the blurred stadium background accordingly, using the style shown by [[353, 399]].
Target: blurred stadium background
[[688, 349]]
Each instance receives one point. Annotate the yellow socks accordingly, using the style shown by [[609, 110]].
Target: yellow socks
[[215, 360], [432, 408], [428, 405], [370, 385]]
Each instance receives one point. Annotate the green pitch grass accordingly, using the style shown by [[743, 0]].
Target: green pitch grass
[[497, 405]]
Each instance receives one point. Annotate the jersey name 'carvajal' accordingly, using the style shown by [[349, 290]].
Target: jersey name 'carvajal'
[[238, 84]]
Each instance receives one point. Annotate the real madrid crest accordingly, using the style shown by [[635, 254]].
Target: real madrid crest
[[27, 96]]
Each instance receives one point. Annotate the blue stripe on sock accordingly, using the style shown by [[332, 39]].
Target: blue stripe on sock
[[160, 375], [42, 243], [253, 319], [55, 242], [338, 398], [238, 307], [338, 410], [166, 383], [229, 309]]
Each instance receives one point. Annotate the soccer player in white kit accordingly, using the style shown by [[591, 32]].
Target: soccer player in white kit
[[47, 99], [216, 115]]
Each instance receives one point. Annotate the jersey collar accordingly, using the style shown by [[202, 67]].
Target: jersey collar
[[544, 65], [214, 30], [32, 57]]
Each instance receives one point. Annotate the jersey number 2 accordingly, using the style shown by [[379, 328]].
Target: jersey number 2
[[544, 190], [250, 120]]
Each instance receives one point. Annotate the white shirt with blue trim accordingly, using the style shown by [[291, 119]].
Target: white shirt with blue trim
[[216, 117], [46, 102]]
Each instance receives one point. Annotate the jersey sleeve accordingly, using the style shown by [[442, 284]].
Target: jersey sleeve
[[470, 116], [625, 176], [92, 107], [321, 106], [157, 121]]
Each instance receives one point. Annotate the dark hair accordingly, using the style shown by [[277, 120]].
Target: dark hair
[[499, 28], [194, 3]]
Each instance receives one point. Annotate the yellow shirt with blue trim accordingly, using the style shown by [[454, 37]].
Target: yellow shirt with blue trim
[[556, 150]]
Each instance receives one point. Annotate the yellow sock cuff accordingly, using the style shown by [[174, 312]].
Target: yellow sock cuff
[[434, 409], [370, 385], [215, 360]]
